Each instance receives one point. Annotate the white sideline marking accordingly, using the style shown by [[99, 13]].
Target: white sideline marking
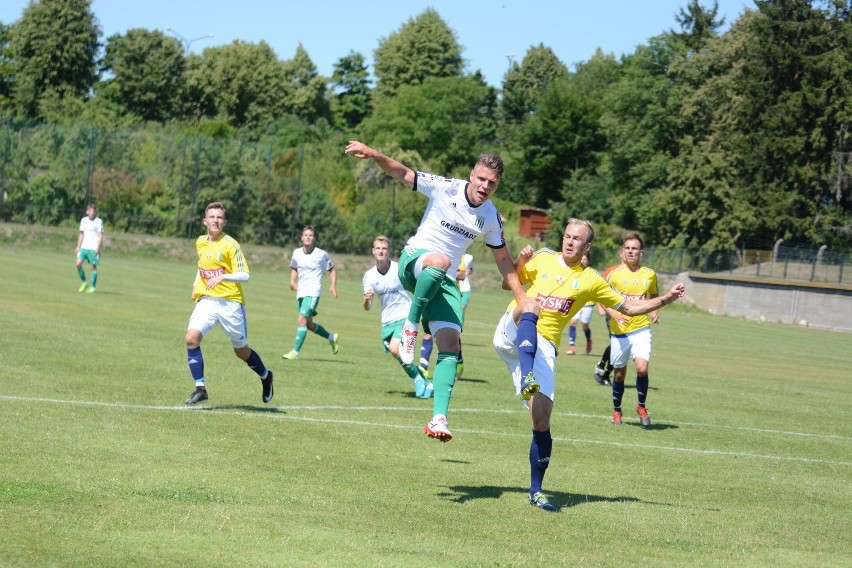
[[261, 414]]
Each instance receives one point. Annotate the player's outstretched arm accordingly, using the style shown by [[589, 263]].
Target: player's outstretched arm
[[390, 166], [643, 306]]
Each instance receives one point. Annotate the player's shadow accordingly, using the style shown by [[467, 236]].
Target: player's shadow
[[561, 499], [473, 380], [241, 407], [465, 493], [654, 425], [402, 394]]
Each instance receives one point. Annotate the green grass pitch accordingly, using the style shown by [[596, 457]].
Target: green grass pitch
[[748, 462]]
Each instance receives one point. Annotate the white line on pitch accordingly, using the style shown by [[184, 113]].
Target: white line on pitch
[[266, 414]]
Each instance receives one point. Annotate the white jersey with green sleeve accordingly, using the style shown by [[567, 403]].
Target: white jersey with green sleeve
[[450, 223], [90, 228], [310, 268], [394, 299]]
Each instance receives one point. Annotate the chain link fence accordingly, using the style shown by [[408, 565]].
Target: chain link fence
[[158, 181]]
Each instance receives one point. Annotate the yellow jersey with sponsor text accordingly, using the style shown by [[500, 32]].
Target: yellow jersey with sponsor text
[[561, 291], [633, 286], [223, 256]]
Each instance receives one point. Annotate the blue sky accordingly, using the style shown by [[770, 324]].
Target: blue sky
[[489, 31]]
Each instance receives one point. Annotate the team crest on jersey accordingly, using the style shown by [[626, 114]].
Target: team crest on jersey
[[560, 280], [209, 255], [480, 222]]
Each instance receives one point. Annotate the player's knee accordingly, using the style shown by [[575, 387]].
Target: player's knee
[[437, 260], [530, 306], [193, 339]]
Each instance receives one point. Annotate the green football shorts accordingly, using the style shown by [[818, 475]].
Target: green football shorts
[[307, 306], [446, 305]]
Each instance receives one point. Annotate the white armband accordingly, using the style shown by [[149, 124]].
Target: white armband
[[236, 277]]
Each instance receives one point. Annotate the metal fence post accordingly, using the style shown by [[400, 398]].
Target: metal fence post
[[180, 187], [91, 166], [298, 195], [3, 170], [191, 222]]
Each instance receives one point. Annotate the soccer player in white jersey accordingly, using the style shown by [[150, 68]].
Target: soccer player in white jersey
[[383, 281], [458, 213], [219, 300], [584, 316], [89, 246], [307, 266], [527, 337]]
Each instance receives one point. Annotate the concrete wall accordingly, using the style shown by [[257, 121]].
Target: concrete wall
[[800, 303]]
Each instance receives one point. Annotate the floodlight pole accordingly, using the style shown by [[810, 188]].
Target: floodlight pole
[[188, 42]]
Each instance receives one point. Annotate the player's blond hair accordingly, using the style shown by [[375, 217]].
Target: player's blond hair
[[584, 223]]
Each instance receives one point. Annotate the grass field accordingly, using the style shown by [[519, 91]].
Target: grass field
[[748, 462]]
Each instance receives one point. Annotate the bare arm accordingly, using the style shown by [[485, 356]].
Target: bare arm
[[654, 316], [644, 306], [333, 288], [368, 299], [79, 241], [390, 166], [100, 240], [524, 255], [294, 274], [507, 270]]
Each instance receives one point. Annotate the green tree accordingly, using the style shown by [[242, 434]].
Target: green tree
[[54, 46], [447, 120], [350, 82], [241, 83], [698, 24], [524, 84], [423, 47], [640, 123], [765, 108], [148, 72], [7, 75], [562, 138], [304, 92]]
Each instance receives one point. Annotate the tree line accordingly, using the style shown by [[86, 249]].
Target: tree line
[[696, 139]]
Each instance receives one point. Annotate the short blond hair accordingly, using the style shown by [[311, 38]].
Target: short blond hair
[[586, 224]]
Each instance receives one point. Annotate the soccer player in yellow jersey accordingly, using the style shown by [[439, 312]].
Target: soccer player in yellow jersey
[[527, 337], [218, 295], [630, 337]]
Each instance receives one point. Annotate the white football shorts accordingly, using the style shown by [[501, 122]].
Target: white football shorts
[[585, 314], [210, 312], [636, 345], [505, 337]]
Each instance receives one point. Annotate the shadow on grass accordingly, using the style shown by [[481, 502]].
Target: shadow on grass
[[242, 407], [472, 380], [562, 500], [633, 387]]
